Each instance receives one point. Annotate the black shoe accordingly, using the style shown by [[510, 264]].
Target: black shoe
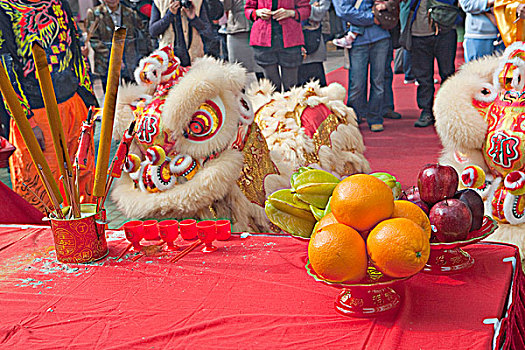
[[425, 119], [392, 115]]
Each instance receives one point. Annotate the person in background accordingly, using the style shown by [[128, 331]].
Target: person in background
[[312, 66], [184, 24], [388, 102], [404, 11], [238, 37], [368, 50], [143, 9], [73, 5], [277, 38], [59, 36], [427, 46], [215, 10], [480, 29], [108, 15]]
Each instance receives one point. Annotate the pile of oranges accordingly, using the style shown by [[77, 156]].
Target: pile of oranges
[[366, 224]]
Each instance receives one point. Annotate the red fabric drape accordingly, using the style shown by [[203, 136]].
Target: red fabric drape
[[16, 210], [251, 293]]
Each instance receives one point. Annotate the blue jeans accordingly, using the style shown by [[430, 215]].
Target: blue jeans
[[361, 56], [388, 101], [407, 64], [477, 48]]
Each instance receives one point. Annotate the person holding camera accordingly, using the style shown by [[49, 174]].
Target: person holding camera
[[184, 24], [103, 19], [277, 37]]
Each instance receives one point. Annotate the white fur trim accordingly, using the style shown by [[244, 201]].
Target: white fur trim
[[486, 98], [208, 78], [212, 183], [458, 123]]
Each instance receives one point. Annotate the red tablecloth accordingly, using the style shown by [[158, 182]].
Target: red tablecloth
[[252, 293]]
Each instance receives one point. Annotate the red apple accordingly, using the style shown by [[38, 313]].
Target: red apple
[[475, 203], [412, 194], [451, 220], [437, 182], [424, 206]]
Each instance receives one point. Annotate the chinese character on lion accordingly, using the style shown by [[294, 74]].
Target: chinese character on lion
[[480, 118], [197, 151]]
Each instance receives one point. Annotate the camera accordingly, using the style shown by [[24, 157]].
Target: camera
[[186, 3]]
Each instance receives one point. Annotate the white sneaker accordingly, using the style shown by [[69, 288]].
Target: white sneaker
[[409, 81], [342, 42]]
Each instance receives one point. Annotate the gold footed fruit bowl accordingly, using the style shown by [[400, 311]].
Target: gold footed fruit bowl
[[447, 258], [372, 296]]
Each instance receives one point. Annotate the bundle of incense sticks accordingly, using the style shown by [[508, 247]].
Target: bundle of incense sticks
[[55, 124], [68, 176], [31, 142]]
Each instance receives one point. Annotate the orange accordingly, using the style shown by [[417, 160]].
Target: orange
[[326, 220], [361, 201], [398, 247], [409, 210], [337, 253]]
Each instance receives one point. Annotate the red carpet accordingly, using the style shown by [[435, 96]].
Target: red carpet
[[401, 149]]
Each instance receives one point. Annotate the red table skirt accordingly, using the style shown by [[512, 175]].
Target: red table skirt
[[252, 293]]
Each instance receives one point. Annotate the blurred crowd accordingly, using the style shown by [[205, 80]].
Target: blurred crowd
[[286, 41]]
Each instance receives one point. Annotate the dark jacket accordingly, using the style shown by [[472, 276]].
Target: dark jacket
[[158, 25], [136, 38]]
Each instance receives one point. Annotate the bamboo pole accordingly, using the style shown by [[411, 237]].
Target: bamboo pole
[[108, 113], [29, 137]]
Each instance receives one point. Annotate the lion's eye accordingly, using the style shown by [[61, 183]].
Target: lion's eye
[[485, 91], [206, 121]]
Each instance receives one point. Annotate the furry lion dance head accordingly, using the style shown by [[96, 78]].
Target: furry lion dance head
[[197, 151], [480, 118]]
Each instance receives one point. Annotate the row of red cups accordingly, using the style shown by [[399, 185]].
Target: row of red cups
[[168, 230]]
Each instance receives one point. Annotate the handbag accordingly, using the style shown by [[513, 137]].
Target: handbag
[[312, 39], [388, 19], [405, 38]]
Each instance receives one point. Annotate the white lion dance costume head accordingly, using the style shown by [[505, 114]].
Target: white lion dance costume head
[[480, 118], [197, 151]]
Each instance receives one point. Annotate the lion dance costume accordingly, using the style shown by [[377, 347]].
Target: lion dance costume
[[197, 151], [480, 118]]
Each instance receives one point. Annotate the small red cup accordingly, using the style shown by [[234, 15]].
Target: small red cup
[[134, 233], [188, 229], [207, 232], [151, 230], [224, 230], [169, 230]]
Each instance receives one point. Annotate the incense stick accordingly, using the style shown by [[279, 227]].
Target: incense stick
[[36, 196], [108, 113], [54, 200], [53, 114], [186, 251]]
